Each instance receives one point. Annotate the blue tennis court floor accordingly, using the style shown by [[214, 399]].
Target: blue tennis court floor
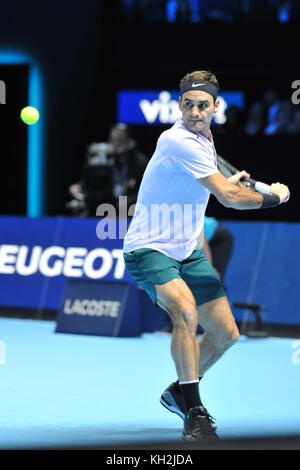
[[60, 390]]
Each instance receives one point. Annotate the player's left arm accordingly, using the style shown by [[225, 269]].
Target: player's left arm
[[231, 195], [239, 197]]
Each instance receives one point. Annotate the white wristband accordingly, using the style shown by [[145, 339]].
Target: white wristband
[[262, 187]]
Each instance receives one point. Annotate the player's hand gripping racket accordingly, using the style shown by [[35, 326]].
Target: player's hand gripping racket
[[228, 170]]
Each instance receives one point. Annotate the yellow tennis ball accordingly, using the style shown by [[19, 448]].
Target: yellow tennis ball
[[29, 115]]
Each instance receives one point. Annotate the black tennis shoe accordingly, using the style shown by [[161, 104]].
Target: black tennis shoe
[[197, 426], [172, 399]]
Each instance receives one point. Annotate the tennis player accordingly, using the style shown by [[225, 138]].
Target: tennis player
[[162, 251]]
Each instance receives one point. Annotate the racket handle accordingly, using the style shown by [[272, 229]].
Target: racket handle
[[256, 185], [262, 187]]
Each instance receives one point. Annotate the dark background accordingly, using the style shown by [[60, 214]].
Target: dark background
[[13, 193], [87, 52]]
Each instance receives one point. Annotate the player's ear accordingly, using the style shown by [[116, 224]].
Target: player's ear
[[179, 102], [216, 105]]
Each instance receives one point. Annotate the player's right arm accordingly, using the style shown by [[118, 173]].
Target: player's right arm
[[238, 197]]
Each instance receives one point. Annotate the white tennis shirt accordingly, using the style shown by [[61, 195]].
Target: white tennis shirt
[[171, 203]]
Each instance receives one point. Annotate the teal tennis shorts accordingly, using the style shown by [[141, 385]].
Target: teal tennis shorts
[[149, 267]]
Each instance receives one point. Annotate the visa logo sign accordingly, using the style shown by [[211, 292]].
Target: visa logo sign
[[161, 107], [164, 109], [148, 107]]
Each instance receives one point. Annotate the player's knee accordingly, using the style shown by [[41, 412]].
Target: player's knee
[[185, 316], [190, 318], [228, 339], [235, 334]]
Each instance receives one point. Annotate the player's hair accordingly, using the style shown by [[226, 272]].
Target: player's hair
[[205, 75]]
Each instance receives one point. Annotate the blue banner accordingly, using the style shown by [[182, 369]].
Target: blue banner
[[38, 256], [265, 269], [161, 106], [100, 308]]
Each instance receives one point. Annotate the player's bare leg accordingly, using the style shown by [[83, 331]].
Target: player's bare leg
[[177, 300], [220, 331]]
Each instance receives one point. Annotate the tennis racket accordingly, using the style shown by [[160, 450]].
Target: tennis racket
[[228, 170]]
